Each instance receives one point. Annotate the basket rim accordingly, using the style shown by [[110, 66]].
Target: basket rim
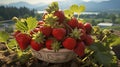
[[63, 50]]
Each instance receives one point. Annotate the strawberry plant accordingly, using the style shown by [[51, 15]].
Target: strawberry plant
[[62, 30]]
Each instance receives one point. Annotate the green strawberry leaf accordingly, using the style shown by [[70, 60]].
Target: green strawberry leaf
[[52, 7], [12, 43], [26, 25], [81, 8], [4, 36], [74, 8], [21, 26], [116, 42], [68, 13], [31, 23], [107, 58], [77, 9]]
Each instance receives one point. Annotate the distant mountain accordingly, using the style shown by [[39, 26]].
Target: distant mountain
[[21, 4], [90, 6]]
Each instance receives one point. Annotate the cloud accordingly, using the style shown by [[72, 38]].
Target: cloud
[[95, 0], [41, 1], [29, 1]]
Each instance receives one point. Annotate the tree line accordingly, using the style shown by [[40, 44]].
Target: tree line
[[7, 12]]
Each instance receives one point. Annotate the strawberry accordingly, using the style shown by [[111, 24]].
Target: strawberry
[[40, 23], [16, 33], [83, 36], [36, 46], [23, 40], [69, 43], [89, 40], [81, 26], [73, 22], [37, 41], [88, 28], [80, 49], [34, 31], [59, 33], [46, 30], [48, 44], [60, 15], [52, 44]]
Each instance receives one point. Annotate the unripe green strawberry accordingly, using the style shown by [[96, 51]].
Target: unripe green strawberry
[[69, 43]]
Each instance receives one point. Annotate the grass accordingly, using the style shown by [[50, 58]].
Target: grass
[[113, 28]]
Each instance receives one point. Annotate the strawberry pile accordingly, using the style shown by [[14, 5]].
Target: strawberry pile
[[56, 31]]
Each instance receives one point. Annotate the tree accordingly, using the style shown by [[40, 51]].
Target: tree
[[113, 17]]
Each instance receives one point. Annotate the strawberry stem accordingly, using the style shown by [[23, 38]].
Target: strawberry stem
[[78, 16], [87, 56], [68, 27], [8, 47]]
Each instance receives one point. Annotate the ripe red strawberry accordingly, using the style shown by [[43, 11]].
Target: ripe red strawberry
[[23, 40], [46, 30], [52, 44], [80, 49], [48, 44], [40, 22], [35, 31], [16, 33], [81, 26], [88, 28], [73, 22], [89, 40], [36, 46], [69, 43], [83, 36], [59, 33], [60, 15]]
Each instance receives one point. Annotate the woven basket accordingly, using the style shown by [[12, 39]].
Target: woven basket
[[63, 55]]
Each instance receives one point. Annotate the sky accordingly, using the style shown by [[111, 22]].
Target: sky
[[41, 1]]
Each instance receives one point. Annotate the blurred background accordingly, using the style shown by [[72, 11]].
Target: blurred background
[[104, 13]]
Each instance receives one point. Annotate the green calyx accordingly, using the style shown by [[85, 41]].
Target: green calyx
[[56, 45], [106, 32], [51, 19], [39, 37], [53, 7], [76, 33], [96, 28]]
